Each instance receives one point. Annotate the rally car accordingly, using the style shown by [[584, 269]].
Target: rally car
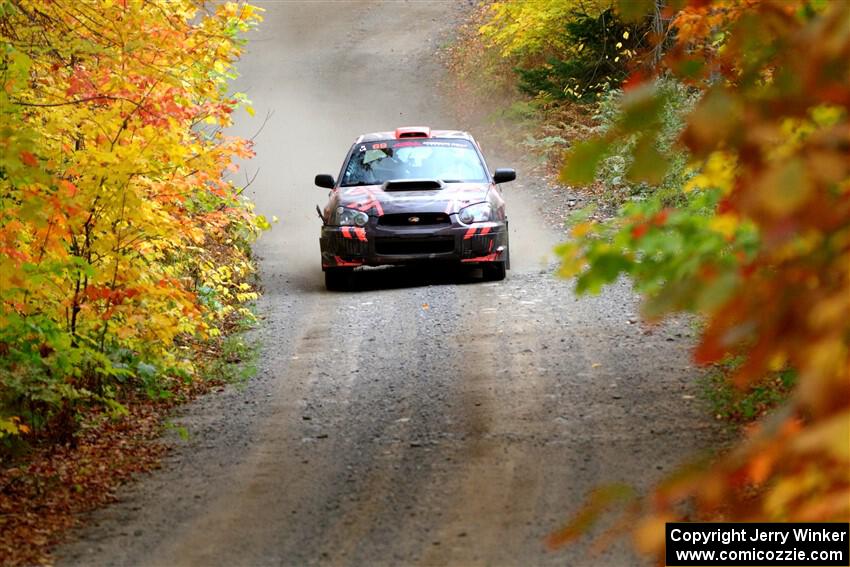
[[410, 196]]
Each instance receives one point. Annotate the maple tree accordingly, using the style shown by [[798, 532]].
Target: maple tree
[[760, 246], [122, 234]]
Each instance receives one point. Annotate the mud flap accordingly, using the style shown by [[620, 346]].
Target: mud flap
[[508, 244]]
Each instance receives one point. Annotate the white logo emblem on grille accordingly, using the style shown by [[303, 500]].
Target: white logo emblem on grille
[[413, 220]]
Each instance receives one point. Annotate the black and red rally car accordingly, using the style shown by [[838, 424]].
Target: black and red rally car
[[414, 195]]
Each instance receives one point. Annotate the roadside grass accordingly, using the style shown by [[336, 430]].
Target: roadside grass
[[738, 407], [237, 360]]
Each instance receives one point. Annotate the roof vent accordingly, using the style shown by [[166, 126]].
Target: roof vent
[[412, 132]]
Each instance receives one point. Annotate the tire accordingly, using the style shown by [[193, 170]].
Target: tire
[[494, 271], [337, 279]]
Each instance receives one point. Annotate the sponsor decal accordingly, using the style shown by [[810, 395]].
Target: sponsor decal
[[446, 145]]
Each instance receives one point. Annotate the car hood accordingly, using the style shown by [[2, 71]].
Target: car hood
[[375, 200]]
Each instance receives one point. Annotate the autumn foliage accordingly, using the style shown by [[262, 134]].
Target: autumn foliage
[[563, 49], [760, 247], [123, 239]]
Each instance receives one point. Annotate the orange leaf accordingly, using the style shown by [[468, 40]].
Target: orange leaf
[[29, 159]]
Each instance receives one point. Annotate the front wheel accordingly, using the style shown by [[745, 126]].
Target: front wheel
[[494, 271], [337, 279]]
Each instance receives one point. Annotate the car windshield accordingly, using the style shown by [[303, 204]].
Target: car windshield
[[451, 161]]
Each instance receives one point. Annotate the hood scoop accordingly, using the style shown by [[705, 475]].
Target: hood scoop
[[412, 185]]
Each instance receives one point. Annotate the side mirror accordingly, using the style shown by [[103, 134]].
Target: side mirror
[[504, 174], [325, 180]]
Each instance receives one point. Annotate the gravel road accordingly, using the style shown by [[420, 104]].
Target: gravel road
[[423, 418]]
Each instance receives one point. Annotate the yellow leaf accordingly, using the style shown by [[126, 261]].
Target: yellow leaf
[[718, 172], [829, 311], [830, 436], [648, 535], [778, 361], [726, 224], [785, 187], [581, 229]]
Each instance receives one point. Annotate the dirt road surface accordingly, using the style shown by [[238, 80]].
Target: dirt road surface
[[422, 418]]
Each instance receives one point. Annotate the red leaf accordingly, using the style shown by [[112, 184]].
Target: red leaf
[[638, 231], [29, 159], [708, 351], [69, 187], [636, 79], [724, 206]]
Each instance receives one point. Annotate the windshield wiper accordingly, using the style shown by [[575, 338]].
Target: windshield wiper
[[359, 184]]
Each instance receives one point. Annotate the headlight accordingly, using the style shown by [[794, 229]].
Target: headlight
[[476, 213], [351, 217]]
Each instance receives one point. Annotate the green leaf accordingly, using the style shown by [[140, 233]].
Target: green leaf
[[583, 160], [649, 164], [716, 120], [642, 109], [635, 10], [718, 291], [690, 68], [146, 370], [607, 267]]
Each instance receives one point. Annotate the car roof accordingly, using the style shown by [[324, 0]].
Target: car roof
[[390, 135]]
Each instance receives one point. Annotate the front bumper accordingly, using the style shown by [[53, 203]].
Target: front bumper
[[375, 245]]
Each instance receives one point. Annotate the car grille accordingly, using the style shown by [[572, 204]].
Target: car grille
[[413, 246], [350, 246], [414, 219]]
